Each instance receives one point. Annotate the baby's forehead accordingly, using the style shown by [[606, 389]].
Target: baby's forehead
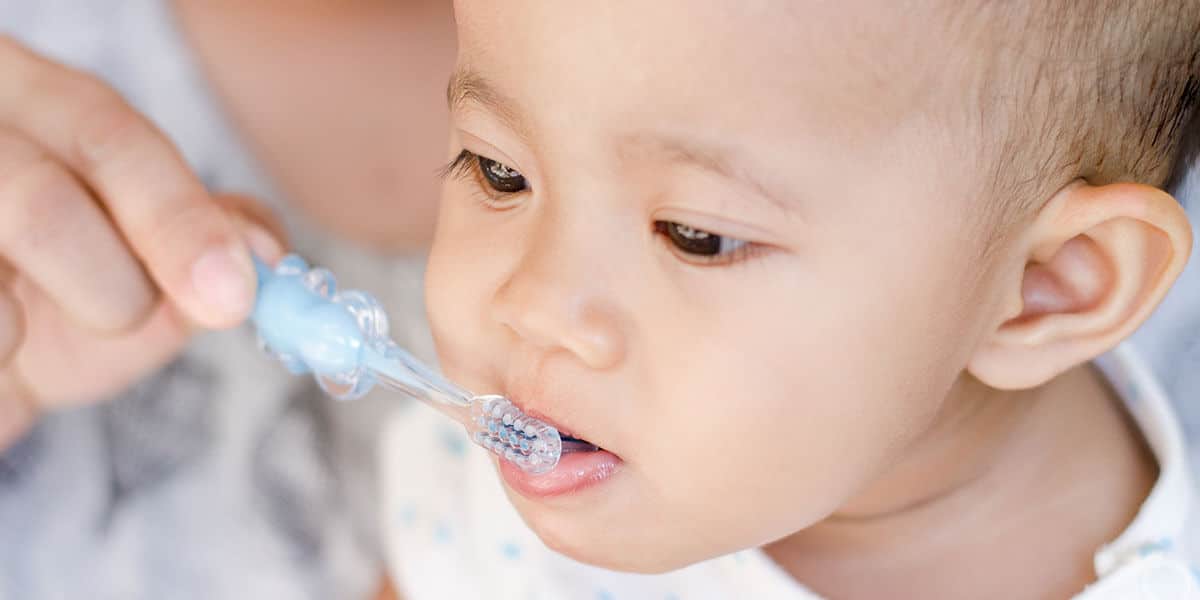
[[845, 66]]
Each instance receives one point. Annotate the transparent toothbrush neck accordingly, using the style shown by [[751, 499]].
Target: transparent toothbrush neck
[[341, 337], [396, 369]]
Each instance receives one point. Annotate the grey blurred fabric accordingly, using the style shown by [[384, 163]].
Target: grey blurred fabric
[[220, 476]]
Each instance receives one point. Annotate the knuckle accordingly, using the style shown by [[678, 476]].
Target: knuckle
[[94, 119], [18, 405], [11, 48], [12, 328], [181, 228], [34, 201], [104, 127], [48, 79], [16, 154]]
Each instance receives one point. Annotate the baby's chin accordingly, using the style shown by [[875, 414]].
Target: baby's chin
[[632, 541], [616, 548]]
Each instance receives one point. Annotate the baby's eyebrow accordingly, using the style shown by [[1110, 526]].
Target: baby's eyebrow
[[468, 87], [708, 157]]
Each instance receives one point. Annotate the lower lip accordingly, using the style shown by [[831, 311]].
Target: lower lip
[[575, 472]]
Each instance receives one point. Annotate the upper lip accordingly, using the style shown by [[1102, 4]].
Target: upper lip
[[543, 417], [564, 428]]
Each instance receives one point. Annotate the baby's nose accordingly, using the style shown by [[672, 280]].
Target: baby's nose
[[552, 301]]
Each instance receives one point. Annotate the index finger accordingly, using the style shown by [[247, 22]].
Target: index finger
[[188, 244]]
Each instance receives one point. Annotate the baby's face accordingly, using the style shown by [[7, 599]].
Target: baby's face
[[729, 243]]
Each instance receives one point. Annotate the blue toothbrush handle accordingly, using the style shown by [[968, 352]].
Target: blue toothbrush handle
[[341, 338]]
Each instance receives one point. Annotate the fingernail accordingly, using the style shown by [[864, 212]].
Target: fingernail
[[262, 244], [222, 279]]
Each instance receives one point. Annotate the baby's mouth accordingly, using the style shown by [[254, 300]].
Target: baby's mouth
[[583, 464], [572, 444]]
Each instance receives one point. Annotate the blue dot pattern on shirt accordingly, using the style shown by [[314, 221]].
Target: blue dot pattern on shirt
[[453, 442], [441, 533], [407, 515], [510, 551], [1162, 545]]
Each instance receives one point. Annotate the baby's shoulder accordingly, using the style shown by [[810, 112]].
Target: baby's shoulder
[[1155, 576]]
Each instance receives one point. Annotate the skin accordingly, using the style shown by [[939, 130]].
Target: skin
[[355, 138], [857, 391]]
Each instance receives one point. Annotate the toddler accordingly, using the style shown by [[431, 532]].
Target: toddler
[[828, 299]]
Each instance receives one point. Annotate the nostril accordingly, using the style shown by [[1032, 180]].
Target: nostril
[[552, 309], [592, 337]]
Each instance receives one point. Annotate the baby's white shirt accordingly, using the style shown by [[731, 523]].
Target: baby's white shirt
[[451, 533]]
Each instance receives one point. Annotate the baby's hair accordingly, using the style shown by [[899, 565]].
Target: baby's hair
[[1100, 90], [1189, 154]]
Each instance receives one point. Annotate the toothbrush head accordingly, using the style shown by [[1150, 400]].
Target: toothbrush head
[[510, 434]]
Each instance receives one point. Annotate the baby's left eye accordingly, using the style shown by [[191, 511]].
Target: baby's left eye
[[501, 177], [697, 242]]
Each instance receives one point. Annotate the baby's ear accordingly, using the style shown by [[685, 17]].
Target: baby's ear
[[1097, 260]]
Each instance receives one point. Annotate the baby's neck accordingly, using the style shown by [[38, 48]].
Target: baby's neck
[[1008, 496]]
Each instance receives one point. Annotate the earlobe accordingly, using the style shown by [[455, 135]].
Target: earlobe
[[1097, 261]]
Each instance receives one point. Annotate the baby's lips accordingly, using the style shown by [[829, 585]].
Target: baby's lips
[[563, 431]]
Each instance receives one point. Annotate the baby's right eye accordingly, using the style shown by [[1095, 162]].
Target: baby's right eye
[[501, 177], [703, 247], [493, 179]]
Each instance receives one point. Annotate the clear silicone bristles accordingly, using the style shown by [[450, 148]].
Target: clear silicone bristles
[[509, 433], [341, 337]]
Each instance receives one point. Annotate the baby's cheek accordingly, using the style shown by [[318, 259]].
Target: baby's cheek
[[766, 443], [440, 292], [755, 451], [453, 304]]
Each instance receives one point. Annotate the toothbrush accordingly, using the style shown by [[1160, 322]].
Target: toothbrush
[[341, 337]]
